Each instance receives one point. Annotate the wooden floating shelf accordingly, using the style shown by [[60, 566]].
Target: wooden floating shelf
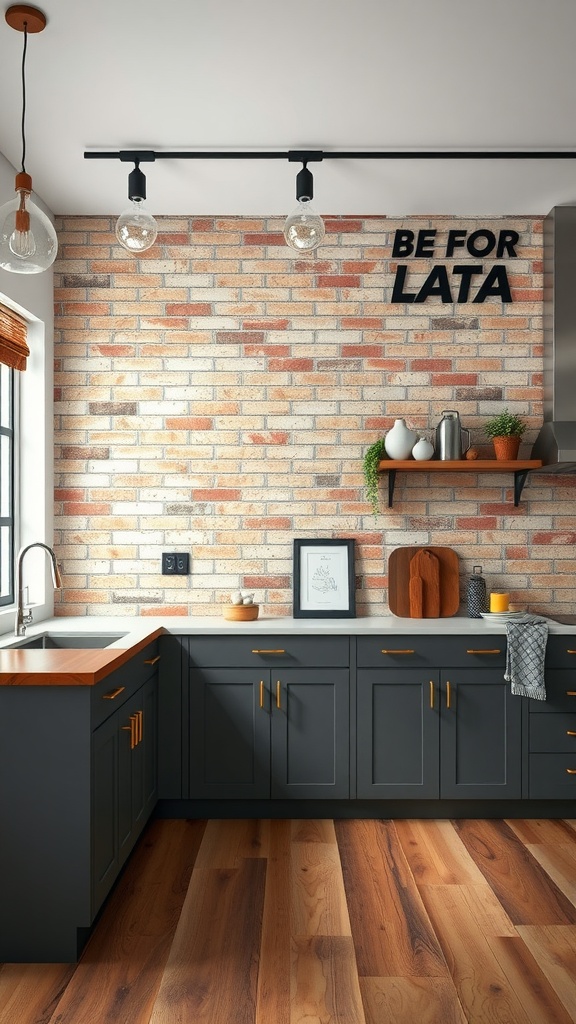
[[520, 468]]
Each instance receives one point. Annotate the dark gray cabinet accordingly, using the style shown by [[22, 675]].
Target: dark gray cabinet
[[74, 803], [398, 733], [432, 732], [258, 731], [124, 787], [552, 726]]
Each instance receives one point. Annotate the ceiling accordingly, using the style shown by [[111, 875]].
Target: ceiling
[[319, 74]]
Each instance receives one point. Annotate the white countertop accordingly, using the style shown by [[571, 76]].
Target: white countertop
[[134, 628]]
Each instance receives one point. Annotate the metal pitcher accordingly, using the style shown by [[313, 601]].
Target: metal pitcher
[[449, 437]]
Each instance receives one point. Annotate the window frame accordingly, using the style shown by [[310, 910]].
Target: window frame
[[8, 450]]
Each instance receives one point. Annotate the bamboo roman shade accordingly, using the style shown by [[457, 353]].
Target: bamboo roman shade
[[14, 349]]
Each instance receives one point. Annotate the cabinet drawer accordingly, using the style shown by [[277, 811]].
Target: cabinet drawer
[[269, 651], [560, 693], [561, 652], [414, 651], [553, 734], [110, 693], [551, 776]]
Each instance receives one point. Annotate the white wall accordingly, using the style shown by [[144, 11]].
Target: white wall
[[33, 295]]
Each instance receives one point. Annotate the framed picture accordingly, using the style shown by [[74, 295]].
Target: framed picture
[[324, 579]]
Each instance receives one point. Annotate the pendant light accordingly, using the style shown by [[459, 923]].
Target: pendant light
[[136, 229], [304, 228], [28, 243]]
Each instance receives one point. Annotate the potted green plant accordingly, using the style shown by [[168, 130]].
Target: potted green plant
[[372, 457], [505, 431]]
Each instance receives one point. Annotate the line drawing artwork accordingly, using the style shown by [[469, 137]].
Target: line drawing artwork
[[323, 581]]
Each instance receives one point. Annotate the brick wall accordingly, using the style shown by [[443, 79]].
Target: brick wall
[[216, 395]]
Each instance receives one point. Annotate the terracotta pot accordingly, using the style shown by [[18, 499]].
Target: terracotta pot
[[506, 448]]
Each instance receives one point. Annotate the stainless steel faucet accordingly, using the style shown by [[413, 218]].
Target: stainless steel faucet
[[23, 620]]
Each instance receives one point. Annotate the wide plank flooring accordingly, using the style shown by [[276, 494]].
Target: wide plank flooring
[[325, 922]]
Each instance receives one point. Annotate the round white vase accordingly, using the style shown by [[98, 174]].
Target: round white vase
[[423, 450], [400, 440]]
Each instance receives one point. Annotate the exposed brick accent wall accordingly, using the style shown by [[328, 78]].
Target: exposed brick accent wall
[[217, 394]]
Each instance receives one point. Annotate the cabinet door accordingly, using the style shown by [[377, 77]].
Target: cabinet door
[[105, 866], [229, 733], [310, 733], [137, 775], [398, 733], [123, 786], [480, 753]]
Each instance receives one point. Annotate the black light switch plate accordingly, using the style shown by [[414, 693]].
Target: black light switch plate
[[175, 563]]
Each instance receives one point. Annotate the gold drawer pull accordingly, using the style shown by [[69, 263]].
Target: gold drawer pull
[[133, 727], [571, 693], [140, 717], [495, 650], [570, 732], [431, 694], [570, 652], [152, 661], [112, 694], [385, 651], [261, 693], [571, 771], [448, 693], [278, 690], [257, 650]]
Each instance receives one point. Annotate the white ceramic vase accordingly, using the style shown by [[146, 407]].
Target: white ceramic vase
[[423, 450], [400, 440]]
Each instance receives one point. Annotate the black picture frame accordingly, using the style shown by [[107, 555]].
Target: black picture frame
[[323, 579]]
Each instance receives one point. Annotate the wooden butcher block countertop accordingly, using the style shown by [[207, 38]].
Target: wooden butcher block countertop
[[65, 666]]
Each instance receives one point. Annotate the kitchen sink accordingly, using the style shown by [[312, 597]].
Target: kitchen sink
[[73, 641]]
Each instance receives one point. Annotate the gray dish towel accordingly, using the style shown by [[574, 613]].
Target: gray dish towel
[[525, 655]]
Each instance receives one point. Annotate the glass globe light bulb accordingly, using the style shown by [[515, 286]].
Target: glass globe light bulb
[[136, 229], [304, 228], [28, 242]]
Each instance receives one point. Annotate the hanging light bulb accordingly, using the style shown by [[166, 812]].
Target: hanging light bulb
[[28, 243], [136, 229], [304, 228]]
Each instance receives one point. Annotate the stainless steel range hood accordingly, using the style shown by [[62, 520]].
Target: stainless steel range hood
[[556, 442]]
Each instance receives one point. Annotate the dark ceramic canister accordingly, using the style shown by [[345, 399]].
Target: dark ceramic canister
[[476, 594]]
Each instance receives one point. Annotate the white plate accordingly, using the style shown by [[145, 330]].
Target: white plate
[[502, 616]]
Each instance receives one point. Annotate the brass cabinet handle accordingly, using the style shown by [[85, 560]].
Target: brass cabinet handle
[[129, 728], [257, 650], [571, 693], [495, 650], [570, 732], [448, 693], [261, 693], [152, 661], [431, 694], [385, 651], [571, 771], [140, 716], [112, 694], [278, 689], [133, 727], [570, 652]]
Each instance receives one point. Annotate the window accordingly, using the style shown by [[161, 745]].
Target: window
[[6, 485]]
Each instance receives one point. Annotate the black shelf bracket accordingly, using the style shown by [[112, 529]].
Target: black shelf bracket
[[520, 476], [391, 482]]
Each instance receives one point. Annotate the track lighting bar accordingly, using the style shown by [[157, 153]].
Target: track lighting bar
[[305, 155]]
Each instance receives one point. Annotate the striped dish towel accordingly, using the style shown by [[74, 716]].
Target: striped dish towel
[[525, 655]]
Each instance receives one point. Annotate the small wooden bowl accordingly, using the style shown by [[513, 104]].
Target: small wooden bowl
[[240, 612]]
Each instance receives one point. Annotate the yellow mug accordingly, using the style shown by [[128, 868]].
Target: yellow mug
[[499, 602]]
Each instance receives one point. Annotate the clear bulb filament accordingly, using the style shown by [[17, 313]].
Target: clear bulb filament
[[22, 242]]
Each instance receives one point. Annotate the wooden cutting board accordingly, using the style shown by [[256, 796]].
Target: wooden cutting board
[[423, 583]]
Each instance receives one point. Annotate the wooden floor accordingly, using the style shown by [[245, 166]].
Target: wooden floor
[[323, 922]]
